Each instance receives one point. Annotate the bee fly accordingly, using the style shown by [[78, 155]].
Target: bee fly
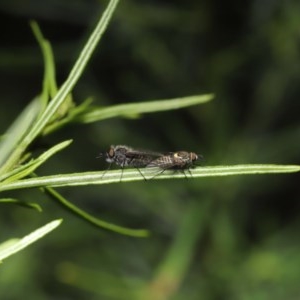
[[181, 161], [125, 156]]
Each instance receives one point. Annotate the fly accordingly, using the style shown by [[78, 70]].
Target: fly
[[180, 161], [125, 156]]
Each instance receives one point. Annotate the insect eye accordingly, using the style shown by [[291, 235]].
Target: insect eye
[[111, 152]]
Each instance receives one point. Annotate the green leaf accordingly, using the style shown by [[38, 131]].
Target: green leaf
[[75, 73], [21, 203], [49, 81], [24, 170], [92, 220], [13, 246], [103, 177], [70, 117], [132, 109], [65, 89], [17, 131]]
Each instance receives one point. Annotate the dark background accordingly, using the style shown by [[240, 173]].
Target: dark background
[[248, 54]]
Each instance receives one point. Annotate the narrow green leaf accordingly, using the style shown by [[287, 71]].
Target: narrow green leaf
[[17, 131], [88, 178], [130, 109], [91, 219], [18, 171], [13, 246], [70, 117], [25, 170], [76, 71], [49, 81], [21, 203], [65, 89]]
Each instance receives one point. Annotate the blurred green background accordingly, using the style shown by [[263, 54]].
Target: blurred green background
[[217, 238]]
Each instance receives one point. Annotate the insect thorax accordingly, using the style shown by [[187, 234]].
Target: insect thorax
[[117, 155]]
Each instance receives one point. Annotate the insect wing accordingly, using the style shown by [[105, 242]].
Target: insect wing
[[137, 158], [164, 162], [176, 160], [125, 156]]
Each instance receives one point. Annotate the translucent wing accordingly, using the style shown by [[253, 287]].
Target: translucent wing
[[136, 158], [176, 160], [163, 162]]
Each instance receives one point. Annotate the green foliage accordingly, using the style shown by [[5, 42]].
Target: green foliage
[[43, 116], [13, 246], [103, 177], [56, 108]]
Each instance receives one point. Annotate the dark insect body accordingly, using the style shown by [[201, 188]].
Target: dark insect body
[[125, 156], [177, 161]]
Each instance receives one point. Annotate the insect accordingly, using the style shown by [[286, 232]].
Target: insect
[[124, 156], [181, 160]]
